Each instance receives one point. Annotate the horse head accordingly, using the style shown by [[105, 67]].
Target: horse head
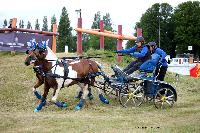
[[35, 52]]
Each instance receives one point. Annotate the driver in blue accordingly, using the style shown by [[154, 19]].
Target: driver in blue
[[140, 51], [160, 71]]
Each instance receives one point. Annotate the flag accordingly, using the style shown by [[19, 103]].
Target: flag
[[195, 72]]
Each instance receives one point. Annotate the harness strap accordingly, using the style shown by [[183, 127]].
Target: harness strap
[[66, 71]]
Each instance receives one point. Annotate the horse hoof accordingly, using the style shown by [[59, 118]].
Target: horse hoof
[[61, 104], [36, 110], [106, 101], [77, 107]]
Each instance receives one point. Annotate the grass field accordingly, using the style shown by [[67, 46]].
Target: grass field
[[17, 103]]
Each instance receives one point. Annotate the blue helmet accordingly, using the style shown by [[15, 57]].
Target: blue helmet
[[152, 44], [140, 39]]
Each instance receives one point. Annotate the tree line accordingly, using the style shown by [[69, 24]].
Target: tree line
[[173, 29], [179, 27]]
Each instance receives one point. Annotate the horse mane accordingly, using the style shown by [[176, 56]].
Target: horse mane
[[50, 55]]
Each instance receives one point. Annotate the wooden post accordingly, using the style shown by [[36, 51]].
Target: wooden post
[[119, 43], [79, 37], [101, 36], [54, 38], [139, 32], [13, 25]]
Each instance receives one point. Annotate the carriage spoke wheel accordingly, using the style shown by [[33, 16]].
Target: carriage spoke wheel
[[108, 90], [164, 98], [133, 97]]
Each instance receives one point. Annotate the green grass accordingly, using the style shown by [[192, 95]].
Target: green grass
[[17, 103]]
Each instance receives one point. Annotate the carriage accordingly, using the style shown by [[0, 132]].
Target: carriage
[[133, 90]]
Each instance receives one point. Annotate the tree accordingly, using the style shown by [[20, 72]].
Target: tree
[[110, 43], [65, 35], [53, 21], [45, 24], [37, 25], [187, 29], [94, 40], [97, 18], [150, 20], [21, 24], [29, 25], [5, 23]]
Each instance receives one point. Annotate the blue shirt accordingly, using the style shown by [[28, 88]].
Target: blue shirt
[[151, 64], [162, 55], [134, 53]]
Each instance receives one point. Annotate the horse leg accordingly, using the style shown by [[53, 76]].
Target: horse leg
[[101, 97], [79, 93], [43, 98], [55, 96], [85, 93], [90, 92], [38, 84], [90, 89]]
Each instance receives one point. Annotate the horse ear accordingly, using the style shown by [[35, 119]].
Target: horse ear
[[45, 45]]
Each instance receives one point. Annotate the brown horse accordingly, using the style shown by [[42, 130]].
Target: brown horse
[[56, 74]]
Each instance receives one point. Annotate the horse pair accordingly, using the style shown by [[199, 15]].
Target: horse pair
[[55, 73]]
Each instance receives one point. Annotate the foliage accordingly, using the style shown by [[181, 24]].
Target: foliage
[[85, 41], [53, 21], [187, 30], [5, 23], [129, 44], [65, 35], [150, 20], [37, 25], [94, 40], [45, 24], [21, 24], [29, 25], [97, 18]]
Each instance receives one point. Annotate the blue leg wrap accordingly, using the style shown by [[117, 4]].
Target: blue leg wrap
[[39, 107], [61, 104], [80, 104], [37, 94], [103, 99]]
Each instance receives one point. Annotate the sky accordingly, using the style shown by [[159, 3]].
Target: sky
[[122, 12]]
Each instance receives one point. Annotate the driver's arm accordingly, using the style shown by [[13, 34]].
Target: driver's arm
[[130, 50], [142, 53]]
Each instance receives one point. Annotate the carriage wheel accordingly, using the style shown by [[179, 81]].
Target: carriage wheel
[[164, 98], [108, 89], [132, 97]]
